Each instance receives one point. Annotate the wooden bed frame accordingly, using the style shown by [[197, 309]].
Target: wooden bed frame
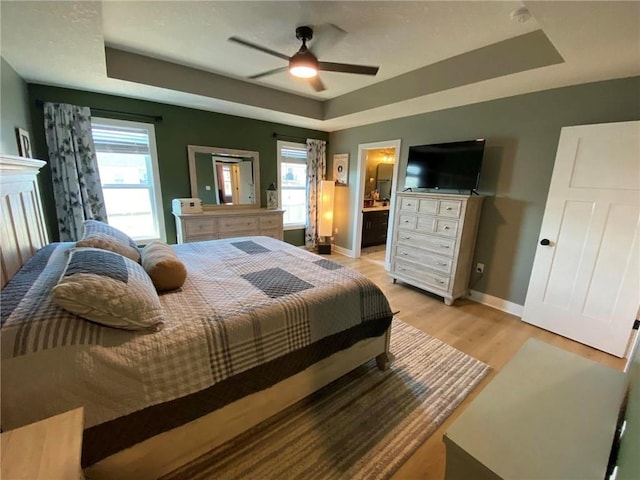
[[22, 229], [23, 232]]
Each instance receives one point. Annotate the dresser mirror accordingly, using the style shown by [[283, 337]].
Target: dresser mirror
[[224, 178]]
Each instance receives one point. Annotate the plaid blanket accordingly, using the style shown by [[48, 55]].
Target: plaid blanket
[[246, 301]]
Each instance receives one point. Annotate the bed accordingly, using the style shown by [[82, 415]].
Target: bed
[[258, 325]]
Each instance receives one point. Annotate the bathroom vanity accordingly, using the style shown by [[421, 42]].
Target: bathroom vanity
[[375, 222]]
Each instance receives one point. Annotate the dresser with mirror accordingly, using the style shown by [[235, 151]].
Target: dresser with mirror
[[228, 183]]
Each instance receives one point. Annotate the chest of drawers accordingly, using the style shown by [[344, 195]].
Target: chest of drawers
[[213, 225], [433, 241]]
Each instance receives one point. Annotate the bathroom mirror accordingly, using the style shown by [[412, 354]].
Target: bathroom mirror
[[384, 175], [224, 178]]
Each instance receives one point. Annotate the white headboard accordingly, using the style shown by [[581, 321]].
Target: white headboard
[[22, 227]]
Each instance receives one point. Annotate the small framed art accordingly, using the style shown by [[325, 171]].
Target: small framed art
[[341, 168], [24, 143]]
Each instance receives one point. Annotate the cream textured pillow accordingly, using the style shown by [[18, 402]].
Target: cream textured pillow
[[91, 228], [105, 242], [163, 266], [110, 289]]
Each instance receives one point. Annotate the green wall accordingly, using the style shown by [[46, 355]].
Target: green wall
[[294, 237], [14, 109], [522, 134], [179, 127]]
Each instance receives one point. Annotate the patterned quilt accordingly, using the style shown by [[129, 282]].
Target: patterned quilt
[[246, 301]]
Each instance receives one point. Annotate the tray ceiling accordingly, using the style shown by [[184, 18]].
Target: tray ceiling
[[432, 55]]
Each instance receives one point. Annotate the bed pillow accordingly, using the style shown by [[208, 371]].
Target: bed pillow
[[105, 242], [110, 289], [161, 263], [94, 233]]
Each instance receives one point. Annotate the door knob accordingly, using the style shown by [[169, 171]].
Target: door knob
[[545, 242]]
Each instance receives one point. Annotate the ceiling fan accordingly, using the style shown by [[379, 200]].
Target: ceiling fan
[[303, 63]]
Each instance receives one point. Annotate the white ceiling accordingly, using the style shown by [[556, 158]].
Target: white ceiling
[[63, 44]]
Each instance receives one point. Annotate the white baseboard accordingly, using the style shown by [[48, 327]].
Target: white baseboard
[[343, 251], [495, 302], [485, 299]]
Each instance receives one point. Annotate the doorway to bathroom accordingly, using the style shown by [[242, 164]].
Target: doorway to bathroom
[[378, 172]]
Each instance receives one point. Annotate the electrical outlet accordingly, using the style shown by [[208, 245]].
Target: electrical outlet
[[335, 231], [480, 268]]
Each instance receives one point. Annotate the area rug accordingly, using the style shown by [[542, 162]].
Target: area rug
[[363, 426]]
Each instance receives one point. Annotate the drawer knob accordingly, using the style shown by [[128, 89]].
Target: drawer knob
[[449, 208], [441, 263], [406, 221], [446, 227], [444, 246], [409, 204], [405, 253], [406, 238]]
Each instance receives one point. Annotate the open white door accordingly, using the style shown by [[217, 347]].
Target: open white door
[[356, 219], [585, 282]]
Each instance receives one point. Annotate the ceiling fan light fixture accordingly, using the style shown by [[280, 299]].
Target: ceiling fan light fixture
[[302, 71], [303, 65]]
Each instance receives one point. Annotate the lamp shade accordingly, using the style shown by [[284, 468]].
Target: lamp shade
[[325, 208], [303, 64]]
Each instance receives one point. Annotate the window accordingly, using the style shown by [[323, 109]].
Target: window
[[128, 165], [292, 172]]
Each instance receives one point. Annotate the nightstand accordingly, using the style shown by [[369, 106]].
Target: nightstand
[[49, 449]]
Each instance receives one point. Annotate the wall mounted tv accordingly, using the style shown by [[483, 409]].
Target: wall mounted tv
[[445, 166]]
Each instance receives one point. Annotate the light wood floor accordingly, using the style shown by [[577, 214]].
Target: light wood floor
[[487, 334]]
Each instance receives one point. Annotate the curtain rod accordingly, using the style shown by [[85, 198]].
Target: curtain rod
[[155, 118], [290, 137]]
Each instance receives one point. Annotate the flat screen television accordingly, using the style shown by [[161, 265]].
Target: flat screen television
[[445, 166]]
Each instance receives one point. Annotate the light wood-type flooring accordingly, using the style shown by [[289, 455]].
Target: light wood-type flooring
[[487, 334]]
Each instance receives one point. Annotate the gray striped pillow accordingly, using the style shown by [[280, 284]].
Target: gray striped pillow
[[109, 289]]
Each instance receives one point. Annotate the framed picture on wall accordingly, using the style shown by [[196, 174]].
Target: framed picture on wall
[[24, 143], [341, 168]]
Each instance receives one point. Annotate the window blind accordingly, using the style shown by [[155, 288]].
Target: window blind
[[293, 153], [120, 140]]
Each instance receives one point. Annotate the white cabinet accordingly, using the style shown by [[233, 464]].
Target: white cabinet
[[216, 224], [49, 449], [434, 239], [548, 414]]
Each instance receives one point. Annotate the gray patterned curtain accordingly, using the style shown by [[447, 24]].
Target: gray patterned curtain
[[316, 171], [74, 168]]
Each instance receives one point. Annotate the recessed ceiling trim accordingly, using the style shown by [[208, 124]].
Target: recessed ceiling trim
[[517, 54], [598, 40], [137, 68]]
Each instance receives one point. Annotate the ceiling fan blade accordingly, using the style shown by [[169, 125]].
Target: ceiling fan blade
[[246, 43], [317, 84], [326, 36], [347, 68], [270, 72]]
